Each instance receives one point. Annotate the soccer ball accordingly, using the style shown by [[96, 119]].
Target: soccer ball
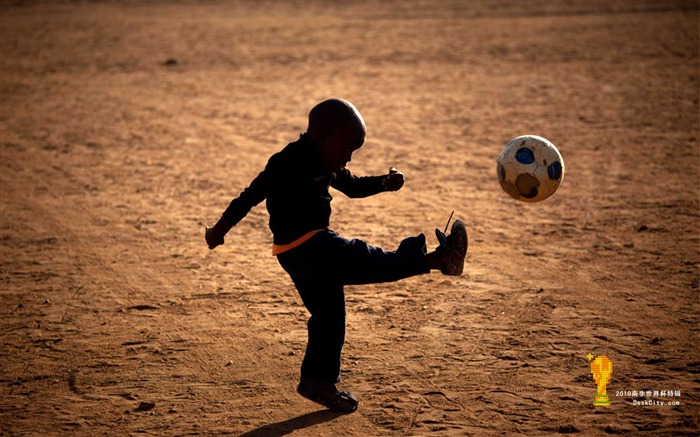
[[530, 168]]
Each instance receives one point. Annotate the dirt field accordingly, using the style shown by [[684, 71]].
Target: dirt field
[[127, 127]]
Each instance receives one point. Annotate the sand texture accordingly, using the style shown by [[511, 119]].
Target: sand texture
[[126, 127]]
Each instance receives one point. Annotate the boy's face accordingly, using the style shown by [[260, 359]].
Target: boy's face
[[339, 145]]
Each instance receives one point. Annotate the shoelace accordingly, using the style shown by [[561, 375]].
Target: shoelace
[[442, 236], [448, 221]]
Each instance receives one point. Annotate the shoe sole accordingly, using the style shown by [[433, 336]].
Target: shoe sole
[[341, 402], [459, 235]]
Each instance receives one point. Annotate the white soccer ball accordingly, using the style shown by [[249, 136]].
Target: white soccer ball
[[530, 168]]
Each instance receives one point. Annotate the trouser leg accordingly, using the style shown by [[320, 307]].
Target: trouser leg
[[360, 263], [321, 267], [325, 301]]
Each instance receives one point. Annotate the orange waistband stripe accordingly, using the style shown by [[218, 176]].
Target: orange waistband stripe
[[280, 248]]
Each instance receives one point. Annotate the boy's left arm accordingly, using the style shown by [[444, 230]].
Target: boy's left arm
[[353, 186]]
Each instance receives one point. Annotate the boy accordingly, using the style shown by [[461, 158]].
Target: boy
[[295, 184]]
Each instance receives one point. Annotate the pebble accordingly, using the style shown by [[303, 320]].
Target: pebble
[[146, 406]]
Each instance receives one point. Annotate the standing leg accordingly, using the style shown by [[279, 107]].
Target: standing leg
[[320, 369], [325, 301]]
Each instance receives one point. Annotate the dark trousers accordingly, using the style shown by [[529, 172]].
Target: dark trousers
[[321, 267]]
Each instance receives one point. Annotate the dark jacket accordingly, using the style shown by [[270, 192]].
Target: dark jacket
[[296, 188]]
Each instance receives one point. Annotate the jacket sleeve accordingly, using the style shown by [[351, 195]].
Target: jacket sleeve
[[353, 186], [255, 193]]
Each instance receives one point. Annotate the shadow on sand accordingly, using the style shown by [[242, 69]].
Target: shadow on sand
[[296, 423]]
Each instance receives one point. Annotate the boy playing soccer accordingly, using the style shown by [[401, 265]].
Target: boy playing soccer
[[320, 262]]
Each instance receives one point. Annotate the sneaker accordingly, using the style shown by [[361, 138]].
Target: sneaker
[[452, 249], [326, 394]]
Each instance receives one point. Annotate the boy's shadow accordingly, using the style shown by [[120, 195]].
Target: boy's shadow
[[296, 423]]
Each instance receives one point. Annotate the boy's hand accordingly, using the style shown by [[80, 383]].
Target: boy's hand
[[215, 235], [213, 238], [393, 181]]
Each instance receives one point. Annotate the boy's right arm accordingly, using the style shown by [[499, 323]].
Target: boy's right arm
[[237, 209]]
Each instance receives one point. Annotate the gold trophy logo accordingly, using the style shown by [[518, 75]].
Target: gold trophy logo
[[601, 368]]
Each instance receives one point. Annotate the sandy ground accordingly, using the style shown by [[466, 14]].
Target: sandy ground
[[128, 127]]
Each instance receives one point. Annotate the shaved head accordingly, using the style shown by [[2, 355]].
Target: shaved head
[[334, 115], [337, 129]]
